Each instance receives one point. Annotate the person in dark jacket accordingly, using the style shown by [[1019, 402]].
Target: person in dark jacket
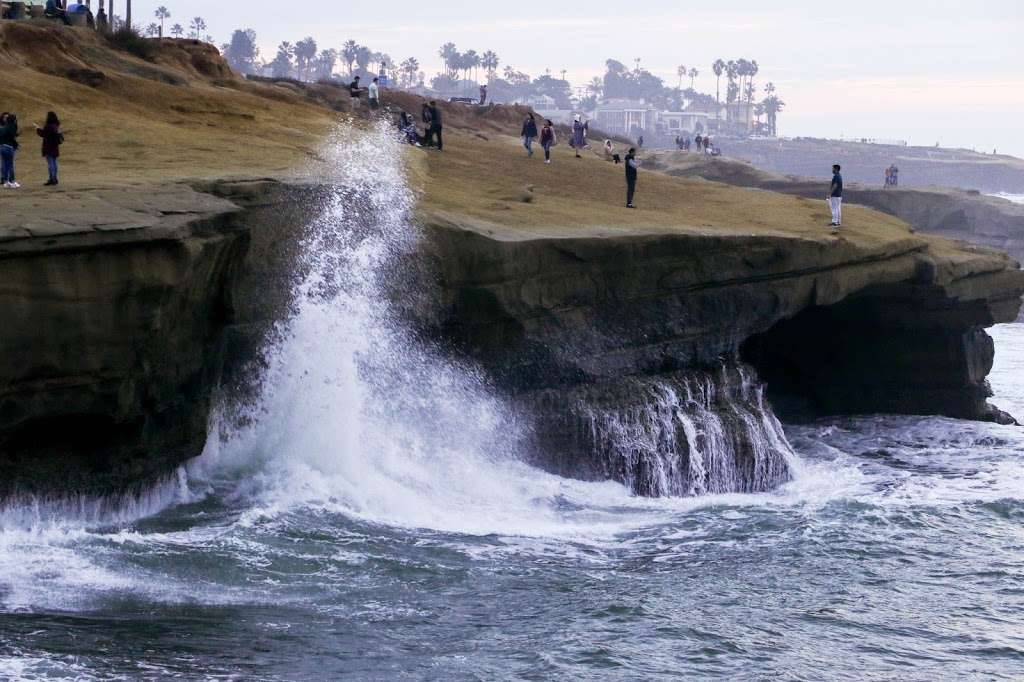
[[428, 127], [8, 148], [835, 198], [631, 167], [436, 125], [52, 139], [529, 133], [547, 140]]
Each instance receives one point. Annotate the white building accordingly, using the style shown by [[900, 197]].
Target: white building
[[632, 118], [625, 117]]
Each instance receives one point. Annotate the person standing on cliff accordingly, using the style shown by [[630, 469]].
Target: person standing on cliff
[[631, 172], [436, 125], [52, 140], [355, 92], [428, 126], [373, 94], [547, 140], [835, 198], [529, 132], [8, 148]]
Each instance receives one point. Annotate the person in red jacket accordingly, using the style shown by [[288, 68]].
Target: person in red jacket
[[52, 140]]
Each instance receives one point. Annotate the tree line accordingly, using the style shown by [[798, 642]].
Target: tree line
[[462, 71]]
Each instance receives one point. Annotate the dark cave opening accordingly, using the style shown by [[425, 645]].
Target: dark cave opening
[[896, 350]]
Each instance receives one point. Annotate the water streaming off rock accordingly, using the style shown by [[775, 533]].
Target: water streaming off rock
[[685, 433]]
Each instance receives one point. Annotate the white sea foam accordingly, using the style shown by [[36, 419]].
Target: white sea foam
[[1015, 198]]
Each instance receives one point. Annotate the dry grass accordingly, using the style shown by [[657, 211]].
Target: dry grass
[[184, 116], [493, 181], [134, 129]]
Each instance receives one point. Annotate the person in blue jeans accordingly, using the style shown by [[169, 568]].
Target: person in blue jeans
[[529, 133], [8, 148], [52, 140]]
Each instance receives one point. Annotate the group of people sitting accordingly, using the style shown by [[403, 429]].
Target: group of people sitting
[[433, 127], [892, 176], [701, 144], [52, 138]]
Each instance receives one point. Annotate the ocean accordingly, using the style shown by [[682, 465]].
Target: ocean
[[1015, 198], [371, 523]]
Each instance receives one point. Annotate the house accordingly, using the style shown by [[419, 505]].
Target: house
[[625, 117], [674, 123]]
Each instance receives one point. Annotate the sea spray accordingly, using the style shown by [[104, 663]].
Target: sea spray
[[691, 432]]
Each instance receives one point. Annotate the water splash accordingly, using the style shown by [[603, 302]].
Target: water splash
[[687, 433]]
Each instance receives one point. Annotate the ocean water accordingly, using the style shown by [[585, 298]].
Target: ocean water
[[1015, 198], [371, 519]]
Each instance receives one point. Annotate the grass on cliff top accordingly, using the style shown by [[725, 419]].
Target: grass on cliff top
[[183, 115], [493, 182]]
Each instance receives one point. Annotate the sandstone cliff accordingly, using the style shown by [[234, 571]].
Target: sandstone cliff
[[123, 319]]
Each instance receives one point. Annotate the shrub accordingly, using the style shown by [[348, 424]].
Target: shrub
[[128, 39]]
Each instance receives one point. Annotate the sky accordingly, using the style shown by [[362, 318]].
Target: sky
[[924, 71]]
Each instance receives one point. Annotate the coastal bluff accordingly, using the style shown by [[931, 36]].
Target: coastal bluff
[[127, 311], [139, 295]]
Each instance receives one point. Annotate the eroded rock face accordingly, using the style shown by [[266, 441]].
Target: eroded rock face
[[112, 337], [682, 433], [124, 313], [840, 328]]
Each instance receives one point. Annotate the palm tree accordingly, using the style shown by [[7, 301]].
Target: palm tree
[[489, 60], [772, 106], [363, 57], [152, 30], [759, 112], [681, 72], [448, 53], [349, 51], [750, 92], [409, 69], [470, 62], [719, 68], [510, 73], [177, 30], [693, 74], [197, 26], [752, 69], [596, 86], [731, 71], [128, 13], [161, 14], [305, 53]]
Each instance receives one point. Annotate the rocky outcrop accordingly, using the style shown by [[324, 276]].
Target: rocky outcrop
[[127, 310], [956, 214], [637, 356], [113, 306]]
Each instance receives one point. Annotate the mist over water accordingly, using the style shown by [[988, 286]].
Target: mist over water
[[370, 515]]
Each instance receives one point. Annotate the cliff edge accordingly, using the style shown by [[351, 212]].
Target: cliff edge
[[134, 294]]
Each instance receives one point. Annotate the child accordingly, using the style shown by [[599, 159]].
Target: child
[[52, 140]]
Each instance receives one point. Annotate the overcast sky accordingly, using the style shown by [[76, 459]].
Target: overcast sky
[[925, 71]]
